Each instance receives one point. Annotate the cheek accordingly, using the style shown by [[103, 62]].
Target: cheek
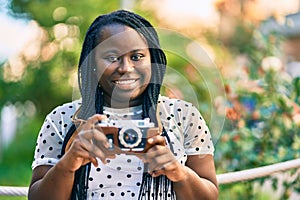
[[147, 70], [104, 69], [147, 74]]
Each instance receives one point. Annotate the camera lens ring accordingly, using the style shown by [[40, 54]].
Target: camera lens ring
[[123, 133]]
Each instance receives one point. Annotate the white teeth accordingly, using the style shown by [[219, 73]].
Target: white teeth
[[123, 82]]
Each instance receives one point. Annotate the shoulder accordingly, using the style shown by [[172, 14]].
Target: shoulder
[[73, 105], [66, 109], [173, 103], [59, 119], [177, 109]]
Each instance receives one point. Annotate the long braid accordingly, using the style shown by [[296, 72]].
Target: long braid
[[87, 79], [92, 94]]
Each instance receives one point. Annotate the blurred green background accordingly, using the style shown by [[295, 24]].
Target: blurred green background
[[245, 90]]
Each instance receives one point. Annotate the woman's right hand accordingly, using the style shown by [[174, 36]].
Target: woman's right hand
[[56, 182], [89, 144]]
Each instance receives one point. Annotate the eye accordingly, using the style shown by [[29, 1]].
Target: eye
[[137, 57], [112, 58]]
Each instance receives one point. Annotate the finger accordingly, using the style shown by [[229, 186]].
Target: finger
[[89, 123], [89, 157], [164, 169], [79, 122], [78, 156], [100, 139], [86, 137], [156, 173], [112, 156], [157, 140], [93, 136], [95, 119], [157, 170], [96, 143], [157, 152], [161, 162], [94, 161], [97, 152], [93, 153]]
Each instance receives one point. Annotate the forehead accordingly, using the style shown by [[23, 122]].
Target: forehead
[[121, 36]]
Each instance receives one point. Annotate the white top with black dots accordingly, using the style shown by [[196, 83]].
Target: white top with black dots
[[121, 177]]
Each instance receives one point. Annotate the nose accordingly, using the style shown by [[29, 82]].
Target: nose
[[126, 65]]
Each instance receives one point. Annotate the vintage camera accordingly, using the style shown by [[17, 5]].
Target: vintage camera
[[129, 136]]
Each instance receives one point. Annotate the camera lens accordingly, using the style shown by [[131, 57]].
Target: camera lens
[[130, 136]]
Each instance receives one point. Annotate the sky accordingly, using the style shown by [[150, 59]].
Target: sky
[[13, 32]]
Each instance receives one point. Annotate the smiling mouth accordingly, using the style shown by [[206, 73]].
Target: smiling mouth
[[125, 82]]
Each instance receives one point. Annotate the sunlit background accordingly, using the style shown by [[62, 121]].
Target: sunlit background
[[16, 32], [252, 44]]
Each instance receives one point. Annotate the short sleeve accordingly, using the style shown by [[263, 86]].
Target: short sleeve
[[51, 135], [184, 121], [197, 137]]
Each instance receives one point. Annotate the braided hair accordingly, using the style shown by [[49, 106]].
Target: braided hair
[[92, 94]]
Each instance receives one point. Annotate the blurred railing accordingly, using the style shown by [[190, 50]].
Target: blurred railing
[[226, 178]]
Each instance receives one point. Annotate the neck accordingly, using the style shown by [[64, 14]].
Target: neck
[[122, 104]]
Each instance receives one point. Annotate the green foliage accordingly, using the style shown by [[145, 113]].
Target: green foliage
[[262, 126], [79, 12], [238, 191], [12, 198], [18, 156]]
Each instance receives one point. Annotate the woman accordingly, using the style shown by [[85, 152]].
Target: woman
[[120, 73]]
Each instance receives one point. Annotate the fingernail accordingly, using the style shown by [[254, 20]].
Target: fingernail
[[150, 140], [107, 145]]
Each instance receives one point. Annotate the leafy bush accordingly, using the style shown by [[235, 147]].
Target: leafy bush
[[263, 117]]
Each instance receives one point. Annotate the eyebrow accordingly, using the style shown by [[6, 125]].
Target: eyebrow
[[114, 51], [141, 49], [111, 51]]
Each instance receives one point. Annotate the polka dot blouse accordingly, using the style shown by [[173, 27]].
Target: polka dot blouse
[[121, 177]]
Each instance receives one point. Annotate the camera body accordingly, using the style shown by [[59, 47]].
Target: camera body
[[128, 136]]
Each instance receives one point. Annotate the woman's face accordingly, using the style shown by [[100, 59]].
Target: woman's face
[[123, 65]]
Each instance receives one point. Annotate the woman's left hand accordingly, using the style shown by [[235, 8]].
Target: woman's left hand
[[161, 160]]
